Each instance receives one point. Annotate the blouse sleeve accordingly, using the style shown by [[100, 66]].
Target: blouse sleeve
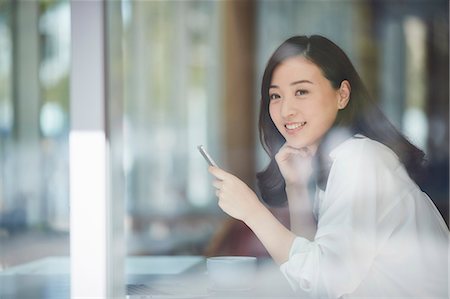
[[348, 233]]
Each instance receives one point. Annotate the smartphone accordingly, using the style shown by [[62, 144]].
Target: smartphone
[[206, 155]]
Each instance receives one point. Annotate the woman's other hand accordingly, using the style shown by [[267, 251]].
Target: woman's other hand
[[295, 164], [235, 197]]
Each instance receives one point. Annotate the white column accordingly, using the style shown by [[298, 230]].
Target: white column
[[93, 265]]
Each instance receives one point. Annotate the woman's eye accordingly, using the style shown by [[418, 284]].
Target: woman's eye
[[301, 92], [274, 96]]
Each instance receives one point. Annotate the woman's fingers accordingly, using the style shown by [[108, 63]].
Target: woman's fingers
[[294, 163], [234, 197], [218, 184], [217, 172], [287, 151]]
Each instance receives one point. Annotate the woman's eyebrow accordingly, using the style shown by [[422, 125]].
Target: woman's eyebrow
[[293, 83], [301, 81]]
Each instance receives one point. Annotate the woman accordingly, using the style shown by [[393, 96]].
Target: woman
[[360, 225]]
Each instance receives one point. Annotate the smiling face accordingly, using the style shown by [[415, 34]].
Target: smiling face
[[303, 104]]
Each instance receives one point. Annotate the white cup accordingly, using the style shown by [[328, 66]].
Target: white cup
[[231, 272]]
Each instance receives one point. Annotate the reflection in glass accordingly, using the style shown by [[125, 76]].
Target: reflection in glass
[[171, 67]]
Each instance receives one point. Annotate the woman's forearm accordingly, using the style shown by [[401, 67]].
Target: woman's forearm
[[240, 202], [302, 219], [275, 237]]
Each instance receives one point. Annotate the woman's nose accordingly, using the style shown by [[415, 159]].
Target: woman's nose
[[288, 108]]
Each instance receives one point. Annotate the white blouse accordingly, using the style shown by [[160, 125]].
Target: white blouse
[[378, 235]]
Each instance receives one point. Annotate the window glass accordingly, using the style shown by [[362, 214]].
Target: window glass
[[170, 68], [34, 98]]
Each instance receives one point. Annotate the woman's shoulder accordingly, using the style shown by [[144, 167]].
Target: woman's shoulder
[[362, 148]]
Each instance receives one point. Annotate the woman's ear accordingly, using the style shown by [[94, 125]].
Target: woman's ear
[[344, 94]]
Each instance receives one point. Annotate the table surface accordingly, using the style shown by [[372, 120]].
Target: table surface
[[161, 277]]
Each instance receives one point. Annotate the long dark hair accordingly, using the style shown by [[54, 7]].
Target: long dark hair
[[361, 115]]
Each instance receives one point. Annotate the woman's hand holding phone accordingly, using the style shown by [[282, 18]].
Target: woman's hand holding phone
[[235, 197], [240, 202]]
